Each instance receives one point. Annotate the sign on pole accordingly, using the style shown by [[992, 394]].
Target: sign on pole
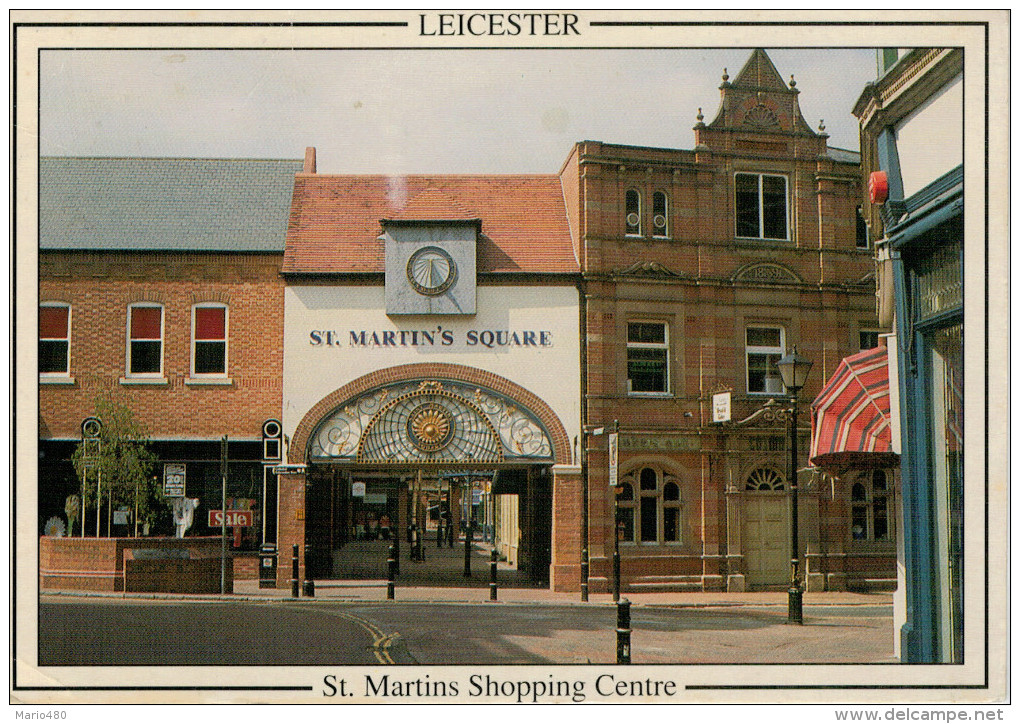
[[721, 406], [174, 479], [614, 459], [357, 490]]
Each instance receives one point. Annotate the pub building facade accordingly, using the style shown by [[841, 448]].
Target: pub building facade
[[445, 336]]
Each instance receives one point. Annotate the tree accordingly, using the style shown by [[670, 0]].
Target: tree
[[120, 467]]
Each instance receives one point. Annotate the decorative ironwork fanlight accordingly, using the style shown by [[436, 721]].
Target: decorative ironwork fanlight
[[431, 422]]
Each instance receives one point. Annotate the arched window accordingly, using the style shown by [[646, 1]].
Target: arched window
[[869, 507], [764, 479], [660, 214], [633, 213], [649, 508], [625, 513]]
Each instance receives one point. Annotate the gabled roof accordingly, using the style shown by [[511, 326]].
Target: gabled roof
[[164, 204], [759, 72], [336, 221]]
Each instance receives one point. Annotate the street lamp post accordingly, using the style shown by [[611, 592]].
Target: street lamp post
[[794, 368]]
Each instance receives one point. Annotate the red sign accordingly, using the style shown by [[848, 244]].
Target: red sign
[[878, 187], [244, 518]]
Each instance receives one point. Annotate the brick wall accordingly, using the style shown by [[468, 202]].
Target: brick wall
[[100, 564], [100, 286]]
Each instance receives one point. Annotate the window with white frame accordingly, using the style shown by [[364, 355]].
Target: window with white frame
[[764, 346], [55, 339], [209, 340], [760, 203], [870, 497], [660, 214], [649, 508], [647, 358], [145, 340], [632, 213]]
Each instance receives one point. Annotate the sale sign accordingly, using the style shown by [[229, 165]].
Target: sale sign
[[242, 518]]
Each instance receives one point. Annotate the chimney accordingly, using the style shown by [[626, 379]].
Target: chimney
[[309, 160]]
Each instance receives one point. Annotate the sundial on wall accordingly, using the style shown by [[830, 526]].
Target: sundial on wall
[[431, 271]]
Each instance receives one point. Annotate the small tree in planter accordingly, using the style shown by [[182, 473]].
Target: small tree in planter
[[120, 468]]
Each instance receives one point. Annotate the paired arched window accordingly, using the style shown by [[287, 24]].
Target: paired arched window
[[650, 508], [870, 496], [660, 214]]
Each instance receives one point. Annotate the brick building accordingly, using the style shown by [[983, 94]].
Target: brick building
[[701, 269], [422, 336], [159, 287]]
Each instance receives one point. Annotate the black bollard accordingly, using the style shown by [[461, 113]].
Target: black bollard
[[439, 534], [308, 588], [492, 575], [584, 575], [623, 632], [795, 605], [467, 550], [391, 573], [295, 574]]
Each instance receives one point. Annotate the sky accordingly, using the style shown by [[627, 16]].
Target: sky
[[414, 110]]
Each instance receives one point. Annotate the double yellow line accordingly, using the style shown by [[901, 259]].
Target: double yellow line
[[380, 641]]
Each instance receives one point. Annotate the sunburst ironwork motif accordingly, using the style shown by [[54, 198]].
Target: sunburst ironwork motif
[[430, 427], [431, 421]]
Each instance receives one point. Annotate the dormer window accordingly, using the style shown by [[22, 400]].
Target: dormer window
[[633, 212], [660, 214], [760, 203]]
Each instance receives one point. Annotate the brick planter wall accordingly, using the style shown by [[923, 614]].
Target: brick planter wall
[[169, 565]]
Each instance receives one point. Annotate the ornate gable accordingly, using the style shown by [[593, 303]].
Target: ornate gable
[[758, 101]]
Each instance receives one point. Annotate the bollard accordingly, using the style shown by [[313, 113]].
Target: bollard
[[309, 589], [295, 574], [623, 632], [391, 573], [584, 575], [795, 606], [492, 575], [439, 535], [467, 550]]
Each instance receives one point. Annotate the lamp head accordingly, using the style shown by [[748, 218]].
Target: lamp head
[[794, 368]]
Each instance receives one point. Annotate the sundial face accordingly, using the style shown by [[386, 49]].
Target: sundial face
[[431, 271]]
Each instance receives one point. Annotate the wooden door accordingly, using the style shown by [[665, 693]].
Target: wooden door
[[767, 539]]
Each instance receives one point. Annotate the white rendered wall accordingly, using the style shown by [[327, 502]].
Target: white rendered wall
[[929, 141], [543, 357]]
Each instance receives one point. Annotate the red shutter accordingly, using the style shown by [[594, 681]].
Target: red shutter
[[145, 322], [53, 322], [210, 323]]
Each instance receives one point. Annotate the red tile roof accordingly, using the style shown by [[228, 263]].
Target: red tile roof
[[335, 221]]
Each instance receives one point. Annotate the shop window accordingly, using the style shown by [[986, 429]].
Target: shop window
[[660, 214], [647, 358], [764, 346], [761, 206], [54, 339], [209, 340], [145, 340], [870, 498], [650, 509], [633, 213]]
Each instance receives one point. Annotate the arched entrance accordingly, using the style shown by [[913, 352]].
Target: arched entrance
[[429, 449]]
